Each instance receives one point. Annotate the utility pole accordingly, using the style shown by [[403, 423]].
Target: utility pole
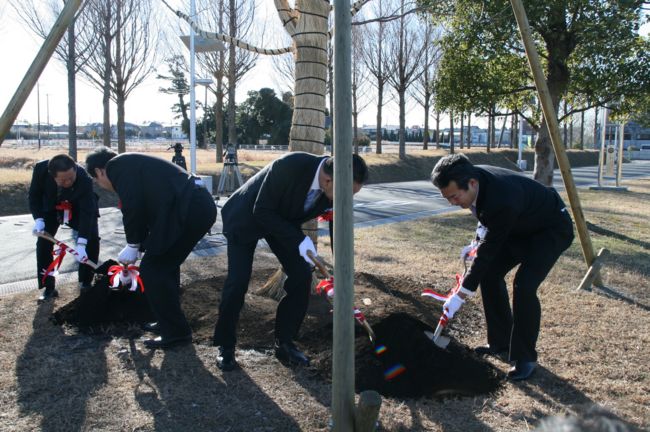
[[47, 101], [38, 115]]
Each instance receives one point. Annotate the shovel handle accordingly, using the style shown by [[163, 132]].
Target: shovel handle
[[321, 268], [319, 264], [47, 236]]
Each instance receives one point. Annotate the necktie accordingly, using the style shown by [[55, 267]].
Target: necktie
[[312, 197]]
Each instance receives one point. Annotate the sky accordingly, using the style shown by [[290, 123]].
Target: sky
[[19, 46]]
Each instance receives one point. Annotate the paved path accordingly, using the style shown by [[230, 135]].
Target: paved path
[[375, 205]]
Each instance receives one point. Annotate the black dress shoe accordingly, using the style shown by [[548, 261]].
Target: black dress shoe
[[226, 359], [152, 327], [287, 352], [48, 294], [501, 352], [167, 342], [522, 370]]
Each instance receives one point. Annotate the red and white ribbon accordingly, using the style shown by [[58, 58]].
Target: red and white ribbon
[[53, 268], [359, 316], [326, 286], [125, 275], [66, 208], [428, 292], [327, 216]]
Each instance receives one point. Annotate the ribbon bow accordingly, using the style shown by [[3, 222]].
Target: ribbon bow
[[125, 275], [66, 208]]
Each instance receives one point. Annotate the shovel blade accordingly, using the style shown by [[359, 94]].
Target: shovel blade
[[440, 341]]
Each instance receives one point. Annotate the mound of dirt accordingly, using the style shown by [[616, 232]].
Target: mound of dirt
[[408, 366], [405, 363], [101, 306]]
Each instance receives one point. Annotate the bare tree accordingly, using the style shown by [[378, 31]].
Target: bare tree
[[126, 54], [374, 58], [72, 52], [216, 63], [359, 80], [422, 88], [406, 48]]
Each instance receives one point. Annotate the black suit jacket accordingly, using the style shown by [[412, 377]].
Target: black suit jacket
[[271, 203], [155, 199], [44, 195], [510, 205]]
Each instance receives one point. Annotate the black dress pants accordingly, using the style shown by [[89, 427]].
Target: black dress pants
[[291, 309], [518, 328], [161, 273], [44, 257]]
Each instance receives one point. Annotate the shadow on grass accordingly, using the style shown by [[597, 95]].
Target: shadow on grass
[[57, 374], [554, 391], [612, 293], [612, 234], [183, 395]]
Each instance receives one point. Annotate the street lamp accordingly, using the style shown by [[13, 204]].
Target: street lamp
[[204, 82], [196, 43]]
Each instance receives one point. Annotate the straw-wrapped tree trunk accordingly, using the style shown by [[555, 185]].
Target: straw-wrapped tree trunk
[[308, 30]]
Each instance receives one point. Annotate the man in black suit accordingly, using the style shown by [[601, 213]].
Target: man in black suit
[[61, 192], [165, 213], [527, 225], [272, 206]]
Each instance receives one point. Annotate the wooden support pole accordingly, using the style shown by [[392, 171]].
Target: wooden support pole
[[554, 130], [367, 412], [343, 338], [37, 66], [593, 270]]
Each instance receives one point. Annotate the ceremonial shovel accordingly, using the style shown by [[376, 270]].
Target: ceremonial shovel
[[436, 337], [361, 319], [47, 236]]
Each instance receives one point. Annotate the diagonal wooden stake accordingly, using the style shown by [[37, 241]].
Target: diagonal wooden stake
[[554, 130], [34, 72]]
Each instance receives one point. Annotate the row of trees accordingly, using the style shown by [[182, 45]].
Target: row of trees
[[111, 43], [463, 58], [592, 53]]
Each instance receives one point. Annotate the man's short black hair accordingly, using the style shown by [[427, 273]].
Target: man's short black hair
[[60, 163], [454, 167], [98, 159], [359, 168]]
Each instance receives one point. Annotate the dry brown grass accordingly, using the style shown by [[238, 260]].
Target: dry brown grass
[[593, 349]]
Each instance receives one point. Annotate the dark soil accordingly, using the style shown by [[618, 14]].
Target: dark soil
[[411, 366], [100, 307]]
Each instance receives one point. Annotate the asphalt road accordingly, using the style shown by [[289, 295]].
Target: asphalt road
[[376, 204]]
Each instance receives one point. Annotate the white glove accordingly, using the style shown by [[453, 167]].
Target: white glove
[[453, 303], [39, 226], [464, 253], [307, 245], [82, 255], [129, 254]]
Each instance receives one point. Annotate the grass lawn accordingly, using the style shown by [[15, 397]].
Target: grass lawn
[[594, 349]]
